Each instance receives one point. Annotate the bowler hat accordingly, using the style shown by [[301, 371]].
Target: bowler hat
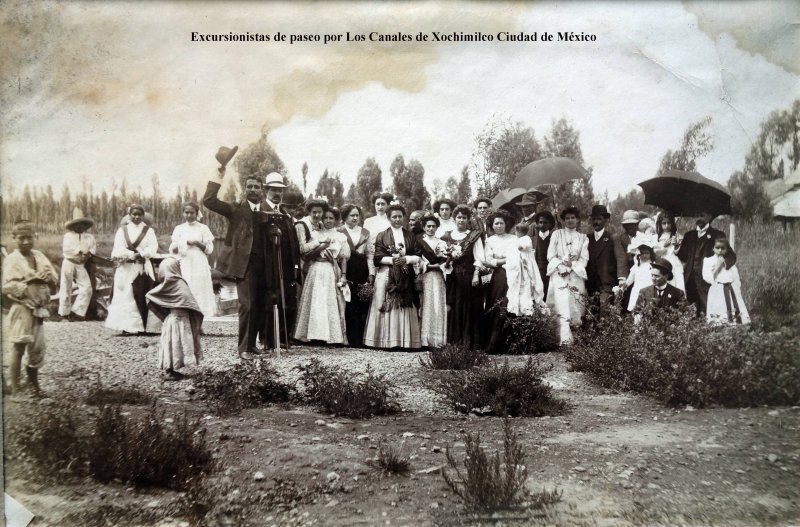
[[663, 265], [572, 209], [600, 210], [225, 154], [274, 180], [630, 216], [78, 220]]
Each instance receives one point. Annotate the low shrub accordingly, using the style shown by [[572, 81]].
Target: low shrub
[[679, 359], [537, 333], [342, 392], [391, 460], [491, 482], [245, 385], [500, 389], [453, 357], [50, 439], [102, 396], [148, 451]]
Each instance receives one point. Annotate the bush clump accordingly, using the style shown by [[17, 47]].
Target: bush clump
[[245, 385], [453, 357], [491, 482], [102, 396], [679, 359], [391, 460], [148, 451], [537, 333], [342, 392], [50, 439], [501, 390]]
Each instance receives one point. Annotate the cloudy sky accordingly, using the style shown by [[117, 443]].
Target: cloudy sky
[[106, 91]]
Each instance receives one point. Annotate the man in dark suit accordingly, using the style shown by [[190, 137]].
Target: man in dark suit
[[544, 222], [697, 245], [249, 254], [482, 206], [608, 263], [661, 294]]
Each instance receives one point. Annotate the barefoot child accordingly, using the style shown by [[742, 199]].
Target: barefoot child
[[173, 303], [27, 278], [725, 303]]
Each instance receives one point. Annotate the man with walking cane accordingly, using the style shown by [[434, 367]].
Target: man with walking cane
[[249, 254]]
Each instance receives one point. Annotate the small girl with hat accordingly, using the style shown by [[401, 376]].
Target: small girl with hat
[[639, 276], [27, 278]]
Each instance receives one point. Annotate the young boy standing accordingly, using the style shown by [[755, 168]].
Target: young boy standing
[[27, 278], [77, 248]]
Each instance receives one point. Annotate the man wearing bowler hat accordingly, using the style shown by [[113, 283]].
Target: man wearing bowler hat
[[544, 222], [608, 263], [661, 294], [249, 253]]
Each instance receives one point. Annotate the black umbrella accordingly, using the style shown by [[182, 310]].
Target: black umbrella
[[686, 194], [549, 171], [511, 196]]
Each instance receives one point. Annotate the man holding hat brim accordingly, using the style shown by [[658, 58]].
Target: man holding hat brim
[[661, 294], [248, 254], [78, 248], [543, 223], [608, 262]]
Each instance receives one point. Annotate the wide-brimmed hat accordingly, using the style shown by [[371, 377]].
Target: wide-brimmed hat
[[439, 202], [630, 216], [572, 209], [79, 220], [274, 180], [225, 154], [663, 265], [600, 210], [531, 198], [547, 214]]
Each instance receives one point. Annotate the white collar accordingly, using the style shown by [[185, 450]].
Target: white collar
[[661, 288], [599, 234], [254, 206], [702, 232], [544, 234]]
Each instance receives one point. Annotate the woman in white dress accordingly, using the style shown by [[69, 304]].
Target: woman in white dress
[[134, 244], [433, 311], [393, 320], [669, 241], [445, 208], [322, 306], [567, 257], [380, 221], [193, 242], [516, 283]]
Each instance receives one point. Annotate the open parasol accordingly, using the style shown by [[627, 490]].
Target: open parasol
[[549, 171], [686, 193], [511, 196]]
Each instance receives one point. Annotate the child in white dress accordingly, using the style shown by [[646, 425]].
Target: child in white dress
[[669, 242], [639, 276], [725, 302]]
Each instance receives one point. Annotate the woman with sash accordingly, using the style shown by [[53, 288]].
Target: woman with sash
[[392, 321], [462, 271], [321, 313], [360, 271], [134, 244]]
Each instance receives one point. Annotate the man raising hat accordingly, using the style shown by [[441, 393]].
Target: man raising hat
[[608, 263], [250, 255]]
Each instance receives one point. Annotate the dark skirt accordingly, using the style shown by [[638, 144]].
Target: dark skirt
[[357, 310], [464, 321], [496, 314]]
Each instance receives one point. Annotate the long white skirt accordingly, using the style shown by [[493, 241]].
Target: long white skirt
[[717, 309], [433, 319], [320, 316], [566, 297], [123, 315], [197, 273], [390, 329]]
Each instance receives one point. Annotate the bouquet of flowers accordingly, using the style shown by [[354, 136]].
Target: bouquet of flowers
[[365, 292]]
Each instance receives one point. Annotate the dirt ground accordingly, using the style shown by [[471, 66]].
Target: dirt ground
[[618, 459]]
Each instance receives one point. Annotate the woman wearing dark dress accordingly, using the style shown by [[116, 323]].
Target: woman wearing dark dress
[[360, 270], [464, 294]]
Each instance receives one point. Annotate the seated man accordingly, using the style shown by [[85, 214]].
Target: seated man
[[661, 294]]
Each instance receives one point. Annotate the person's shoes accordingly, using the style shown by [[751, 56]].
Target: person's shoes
[[225, 154], [256, 351], [172, 375], [246, 356]]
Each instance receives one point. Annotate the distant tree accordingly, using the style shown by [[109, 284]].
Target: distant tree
[[352, 195], [501, 150], [696, 143], [464, 192], [331, 187], [748, 198], [305, 178], [408, 184], [367, 182], [564, 141], [258, 159], [633, 200]]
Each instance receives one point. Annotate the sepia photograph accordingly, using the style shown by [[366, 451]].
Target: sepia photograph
[[424, 263]]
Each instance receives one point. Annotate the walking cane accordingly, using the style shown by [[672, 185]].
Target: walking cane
[[277, 241]]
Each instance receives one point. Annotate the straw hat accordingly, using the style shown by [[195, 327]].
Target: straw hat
[[630, 216], [78, 220]]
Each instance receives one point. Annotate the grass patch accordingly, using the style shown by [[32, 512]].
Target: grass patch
[[537, 333], [50, 440], [245, 385], [101, 396], [453, 357], [502, 390], [342, 392], [679, 359], [491, 482], [391, 460], [149, 451]]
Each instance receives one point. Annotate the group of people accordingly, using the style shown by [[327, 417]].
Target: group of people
[[455, 274]]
